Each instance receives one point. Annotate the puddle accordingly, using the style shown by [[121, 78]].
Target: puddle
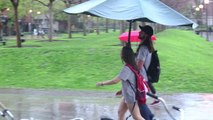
[[32, 104]]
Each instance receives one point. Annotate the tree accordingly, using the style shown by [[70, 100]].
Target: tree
[[107, 25], [97, 26], [122, 30], [15, 4], [182, 6], [68, 3], [5, 16], [69, 29], [50, 17]]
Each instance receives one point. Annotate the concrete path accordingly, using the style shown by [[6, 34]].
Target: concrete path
[[210, 36], [40, 104]]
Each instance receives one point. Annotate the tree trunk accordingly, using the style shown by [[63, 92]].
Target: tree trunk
[[50, 31], [107, 25], [122, 27], [122, 30], [69, 27], [1, 30], [18, 38], [84, 26], [134, 25], [97, 26], [114, 25], [69, 23]]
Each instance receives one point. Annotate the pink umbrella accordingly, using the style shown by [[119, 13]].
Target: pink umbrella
[[153, 38], [133, 38]]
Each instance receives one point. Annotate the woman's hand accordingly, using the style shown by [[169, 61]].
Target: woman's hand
[[99, 84]]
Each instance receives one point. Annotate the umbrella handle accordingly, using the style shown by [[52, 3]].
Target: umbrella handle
[[130, 27]]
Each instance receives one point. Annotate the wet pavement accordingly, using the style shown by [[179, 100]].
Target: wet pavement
[[210, 36], [40, 104]]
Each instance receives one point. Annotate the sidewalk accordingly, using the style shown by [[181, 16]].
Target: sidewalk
[[40, 104], [204, 35]]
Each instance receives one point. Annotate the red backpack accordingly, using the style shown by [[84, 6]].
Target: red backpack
[[141, 86]]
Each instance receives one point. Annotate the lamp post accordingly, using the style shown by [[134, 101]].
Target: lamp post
[[31, 21], [200, 8], [206, 2]]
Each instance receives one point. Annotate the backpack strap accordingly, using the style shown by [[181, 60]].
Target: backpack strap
[[133, 70], [137, 72], [145, 62], [131, 85]]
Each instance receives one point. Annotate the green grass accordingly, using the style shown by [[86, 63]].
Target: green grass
[[80, 62], [187, 62]]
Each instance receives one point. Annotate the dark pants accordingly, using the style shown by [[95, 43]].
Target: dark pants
[[145, 112], [151, 87]]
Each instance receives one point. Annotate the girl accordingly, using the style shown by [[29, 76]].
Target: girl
[[128, 99]]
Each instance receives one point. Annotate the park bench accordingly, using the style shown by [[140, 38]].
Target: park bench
[[3, 41]]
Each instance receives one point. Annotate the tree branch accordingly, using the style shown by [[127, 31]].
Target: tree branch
[[41, 2], [15, 2], [69, 2]]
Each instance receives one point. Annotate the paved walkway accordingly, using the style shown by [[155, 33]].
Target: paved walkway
[[40, 104], [210, 36]]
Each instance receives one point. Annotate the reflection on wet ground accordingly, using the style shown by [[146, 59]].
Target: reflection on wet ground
[[204, 35], [31, 104]]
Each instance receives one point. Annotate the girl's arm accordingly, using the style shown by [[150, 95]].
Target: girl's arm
[[109, 82]]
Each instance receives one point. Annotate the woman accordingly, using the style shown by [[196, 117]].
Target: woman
[[144, 52], [128, 100]]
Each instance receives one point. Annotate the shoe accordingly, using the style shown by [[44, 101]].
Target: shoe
[[155, 118], [155, 102], [119, 93]]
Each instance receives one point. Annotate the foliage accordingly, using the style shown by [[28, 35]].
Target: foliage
[[59, 6], [6, 4], [182, 6], [24, 7], [27, 5], [186, 62]]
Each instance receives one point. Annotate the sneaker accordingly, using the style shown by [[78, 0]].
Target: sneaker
[[155, 102], [155, 118], [119, 93]]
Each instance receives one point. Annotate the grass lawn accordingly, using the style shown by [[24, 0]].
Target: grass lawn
[[80, 62]]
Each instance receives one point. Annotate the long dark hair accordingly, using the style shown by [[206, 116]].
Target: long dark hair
[[146, 42], [128, 57]]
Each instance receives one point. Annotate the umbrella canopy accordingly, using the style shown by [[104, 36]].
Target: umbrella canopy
[[143, 10], [133, 36]]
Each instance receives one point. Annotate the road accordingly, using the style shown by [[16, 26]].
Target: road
[[41, 104], [210, 36]]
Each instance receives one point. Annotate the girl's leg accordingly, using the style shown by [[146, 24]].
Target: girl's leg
[[135, 112], [122, 109]]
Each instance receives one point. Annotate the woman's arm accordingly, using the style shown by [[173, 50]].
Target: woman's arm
[[109, 82]]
